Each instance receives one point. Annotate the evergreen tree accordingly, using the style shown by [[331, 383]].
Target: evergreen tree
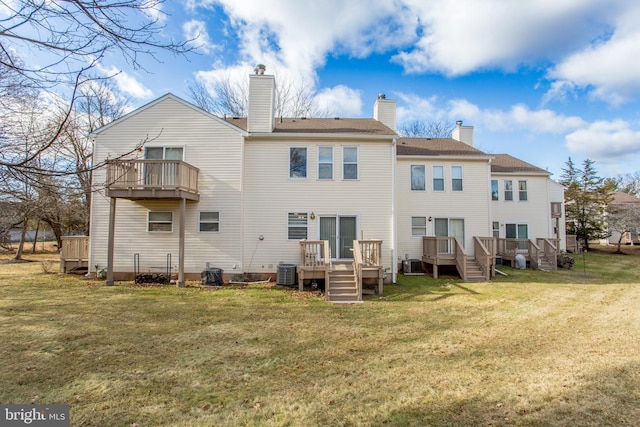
[[586, 198]]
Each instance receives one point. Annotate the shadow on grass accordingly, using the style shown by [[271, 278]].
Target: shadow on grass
[[607, 398], [425, 288]]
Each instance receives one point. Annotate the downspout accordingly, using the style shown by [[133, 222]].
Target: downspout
[[394, 264], [490, 200]]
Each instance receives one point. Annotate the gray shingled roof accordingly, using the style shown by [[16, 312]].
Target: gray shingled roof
[[323, 125], [435, 147], [622, 197], [508, 164]]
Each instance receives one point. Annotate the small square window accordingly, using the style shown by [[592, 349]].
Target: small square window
[[160, 221], [210, 222]]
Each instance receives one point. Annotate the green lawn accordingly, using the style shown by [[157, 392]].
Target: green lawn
[[531, 348]]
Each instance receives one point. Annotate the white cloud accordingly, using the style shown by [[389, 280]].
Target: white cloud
[[605, 140], [587, 44], [609, 68], [196, 32], [466, 35], [518, 118], [412, 107], [340, 101], [130, 86]]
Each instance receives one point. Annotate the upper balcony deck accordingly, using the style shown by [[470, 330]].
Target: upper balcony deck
[[152, 179]]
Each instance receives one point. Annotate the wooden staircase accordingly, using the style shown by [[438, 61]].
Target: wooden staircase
[[544, 264], [342, 286], [474, 272]]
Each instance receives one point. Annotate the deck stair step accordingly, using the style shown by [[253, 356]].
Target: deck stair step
[[474, 273], [342, 286]]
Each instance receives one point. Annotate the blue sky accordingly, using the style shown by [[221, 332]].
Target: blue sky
[[541, 80]]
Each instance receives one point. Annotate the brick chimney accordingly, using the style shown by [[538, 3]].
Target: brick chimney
[[384, 111], [463, 133], [262, 91]]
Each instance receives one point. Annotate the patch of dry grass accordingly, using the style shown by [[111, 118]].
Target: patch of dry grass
[[529, 349]]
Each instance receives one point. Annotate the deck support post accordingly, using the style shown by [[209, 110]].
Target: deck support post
[[183, 203], [111, 240]]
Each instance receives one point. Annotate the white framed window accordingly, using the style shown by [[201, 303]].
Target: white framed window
[[495, 228], [297, 162], [438, 178], [418, 226], [350, 163], [508, 190], [325, 162], [160, 221], [209, 222], [522, 191], [417, 178], [297, 225], [456, 178], [494, 189], [163, 153]]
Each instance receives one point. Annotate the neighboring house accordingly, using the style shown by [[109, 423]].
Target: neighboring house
[[526, 203], [623, 199], [187, 189]]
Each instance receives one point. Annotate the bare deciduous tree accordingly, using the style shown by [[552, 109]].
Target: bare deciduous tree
[[70, 38], [226, 96], [421, 129]]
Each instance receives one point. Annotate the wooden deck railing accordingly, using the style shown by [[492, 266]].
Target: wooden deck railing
[[367, 262], [541, 249], [74, 252], [315, 261], [152, 174], [438, 248]]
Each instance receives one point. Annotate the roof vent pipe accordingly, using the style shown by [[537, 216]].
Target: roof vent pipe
[[260, 69]]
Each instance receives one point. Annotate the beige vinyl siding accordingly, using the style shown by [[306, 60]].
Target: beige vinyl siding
[[261, 102], [269, 195], [470, 204], [211, 146], [535, 211]]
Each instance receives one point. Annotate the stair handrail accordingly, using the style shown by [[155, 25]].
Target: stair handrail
[[357, 267], [461, 258], [534, 254], [549, 251], [483, 256]]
